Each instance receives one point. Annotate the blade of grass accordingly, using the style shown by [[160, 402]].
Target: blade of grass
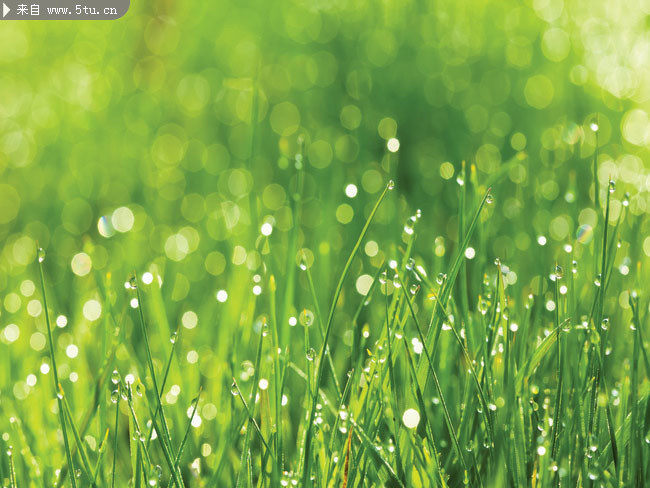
[[436, 382], [252, 420], [195, 404], [55, 373], [321, 329], [100, 457], [12, 469], [328, 328], [77, 437], [176, 337], [346, 469], [117, 419], [393, 397], [164, 434]]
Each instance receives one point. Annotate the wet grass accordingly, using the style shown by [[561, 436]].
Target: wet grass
[[421, 383]]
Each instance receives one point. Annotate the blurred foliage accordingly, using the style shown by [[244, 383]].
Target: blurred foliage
[[164, 142]]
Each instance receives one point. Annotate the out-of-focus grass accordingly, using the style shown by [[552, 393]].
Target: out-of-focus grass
[[230, 156]]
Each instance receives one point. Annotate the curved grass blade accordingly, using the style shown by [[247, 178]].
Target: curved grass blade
[[328, 329], [321, 329]]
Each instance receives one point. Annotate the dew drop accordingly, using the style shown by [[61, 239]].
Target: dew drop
[[396, 281], [382, 278], [115, 395], [391, 184], [489, 199], [612, 186], [604, 324], [173, 338], [41, 254], [310, 354], [440, 279], [414, 288], [306, 318], [233, 389], [409, 226]]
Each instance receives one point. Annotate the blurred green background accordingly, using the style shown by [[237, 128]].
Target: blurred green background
[[164, 141]]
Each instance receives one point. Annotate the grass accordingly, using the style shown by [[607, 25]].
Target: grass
[[506, 392], [295, 279]]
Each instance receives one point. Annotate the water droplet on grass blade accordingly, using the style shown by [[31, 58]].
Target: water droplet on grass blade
[[396, 281], [311, 354], [612, 186], [306, 318], [41, 254], [115, 395], [233, 389], [173, 338], [382, 278], [115, 377], [604, 324], [391, 184]]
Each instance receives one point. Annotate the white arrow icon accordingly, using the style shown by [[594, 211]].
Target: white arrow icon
[[5, 10]]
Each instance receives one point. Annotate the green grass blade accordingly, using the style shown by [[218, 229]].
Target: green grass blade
[[436, 382], [55, 374], [164, 434], [80, 446], [328, 328], [195, 404]]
